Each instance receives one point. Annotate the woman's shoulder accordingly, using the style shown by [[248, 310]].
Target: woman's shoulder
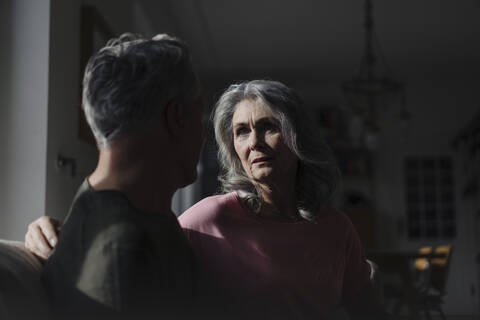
[[332, 217], [208, 209]]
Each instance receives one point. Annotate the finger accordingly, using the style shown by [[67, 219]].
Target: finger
[[48, 228], [30, 245], [28, 241], [39, 249], [40, 246], [56, 223]]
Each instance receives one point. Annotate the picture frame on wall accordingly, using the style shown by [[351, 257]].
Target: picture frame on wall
[[94, 33]]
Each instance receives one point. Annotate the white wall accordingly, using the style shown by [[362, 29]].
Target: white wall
[[39, 111], [64, 109], [23, 113], [117, 14]]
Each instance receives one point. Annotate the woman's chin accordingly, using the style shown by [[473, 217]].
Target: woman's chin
[[263, 175]]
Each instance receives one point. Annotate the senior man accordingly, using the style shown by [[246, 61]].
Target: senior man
[[121, 252]]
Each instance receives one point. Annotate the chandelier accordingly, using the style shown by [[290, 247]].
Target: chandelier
[[372, 87]]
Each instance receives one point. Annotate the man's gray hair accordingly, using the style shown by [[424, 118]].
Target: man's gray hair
[[318, 176], [129, 81]]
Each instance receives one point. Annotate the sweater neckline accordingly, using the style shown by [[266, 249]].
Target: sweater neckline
[[245, 212]]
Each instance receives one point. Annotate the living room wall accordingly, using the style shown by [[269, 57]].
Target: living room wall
[[23, 113]]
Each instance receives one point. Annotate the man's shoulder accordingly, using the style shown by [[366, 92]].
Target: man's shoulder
[[98, 228], [90, 258], [106, 212], [120, 234]]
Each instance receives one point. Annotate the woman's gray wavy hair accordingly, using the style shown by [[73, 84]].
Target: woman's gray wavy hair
[[129, 81], [318, 176]]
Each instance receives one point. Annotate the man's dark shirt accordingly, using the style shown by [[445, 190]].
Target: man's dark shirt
[[114, 260]]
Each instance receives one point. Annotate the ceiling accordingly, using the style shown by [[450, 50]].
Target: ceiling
[[319, 40]]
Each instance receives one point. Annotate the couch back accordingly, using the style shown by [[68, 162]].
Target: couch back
[[22, 295]]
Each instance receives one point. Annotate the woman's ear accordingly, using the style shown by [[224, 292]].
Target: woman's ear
[[174, 117]]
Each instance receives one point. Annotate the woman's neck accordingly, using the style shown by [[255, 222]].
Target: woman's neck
[[279, 202]]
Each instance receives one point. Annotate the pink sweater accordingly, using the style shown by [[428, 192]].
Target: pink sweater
[[276, 269]]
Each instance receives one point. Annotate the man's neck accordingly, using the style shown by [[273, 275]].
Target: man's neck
[[148, 190]]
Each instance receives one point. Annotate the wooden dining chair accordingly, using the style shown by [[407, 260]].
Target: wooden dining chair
[[415, 292], [431, 297], [439, 267], [400, 290], [421, 268], [421, 264]]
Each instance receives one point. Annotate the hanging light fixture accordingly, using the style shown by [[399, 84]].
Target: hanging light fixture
[[373, 86]]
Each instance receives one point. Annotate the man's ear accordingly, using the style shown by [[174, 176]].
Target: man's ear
[[174, 117]]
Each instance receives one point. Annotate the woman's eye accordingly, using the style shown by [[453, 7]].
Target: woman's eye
[[241, 131], [271, 127]]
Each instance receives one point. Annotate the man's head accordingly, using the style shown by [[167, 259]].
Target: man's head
[[144, 93], [129, 82]]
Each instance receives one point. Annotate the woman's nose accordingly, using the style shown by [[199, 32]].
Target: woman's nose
[[254, 140]]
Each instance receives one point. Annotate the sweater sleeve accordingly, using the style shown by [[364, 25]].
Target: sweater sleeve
[[357, 269]]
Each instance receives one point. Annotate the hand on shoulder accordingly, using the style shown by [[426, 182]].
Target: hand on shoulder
[[42, 236]]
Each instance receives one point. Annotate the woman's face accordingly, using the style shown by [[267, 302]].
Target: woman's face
[[260, 146]]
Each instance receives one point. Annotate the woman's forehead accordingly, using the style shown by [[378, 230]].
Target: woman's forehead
[[250, 110]]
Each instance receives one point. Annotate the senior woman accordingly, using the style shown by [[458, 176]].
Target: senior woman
[[270, 245], [271, 240]]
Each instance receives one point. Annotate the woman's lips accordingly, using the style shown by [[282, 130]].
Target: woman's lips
[[261, 159]]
